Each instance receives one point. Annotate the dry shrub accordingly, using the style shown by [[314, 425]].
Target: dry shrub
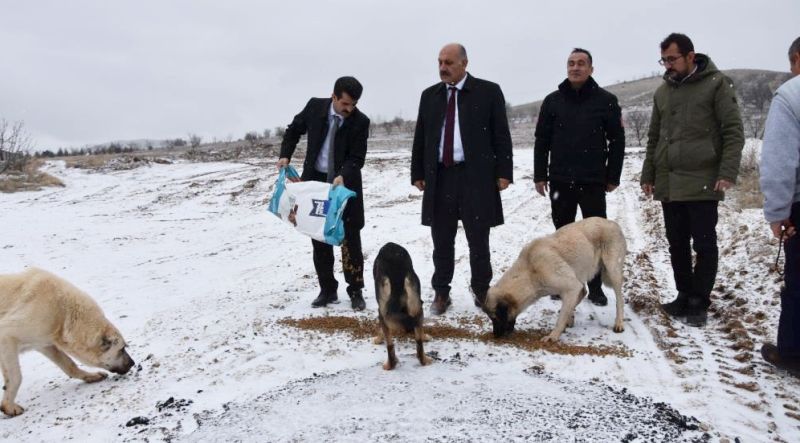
[[29, 179], [94, 161], [747, 192]]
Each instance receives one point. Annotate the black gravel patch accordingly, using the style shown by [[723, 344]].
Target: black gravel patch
[[460, 404]]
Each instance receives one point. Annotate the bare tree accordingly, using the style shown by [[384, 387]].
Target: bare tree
[[195, 141], [194, 144], [757, 94], [639, 121], [755, 98], [754, 123], [398, 122], [15, 143], [251, 137], [267, 133]]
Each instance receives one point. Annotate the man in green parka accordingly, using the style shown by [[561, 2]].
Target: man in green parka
[[694, 147]]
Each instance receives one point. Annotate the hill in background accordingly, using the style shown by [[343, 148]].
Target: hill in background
[[639, 93]]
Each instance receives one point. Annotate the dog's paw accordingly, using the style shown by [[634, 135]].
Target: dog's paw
[[550, 338], [94, 377], [426, 361], [618, 328], [389, 365], [11, 409], [377, 340]]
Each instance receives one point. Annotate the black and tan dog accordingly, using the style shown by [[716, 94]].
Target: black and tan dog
[[399, 301]]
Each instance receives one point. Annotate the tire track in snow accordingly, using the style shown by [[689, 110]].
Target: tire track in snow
[[714, 357]]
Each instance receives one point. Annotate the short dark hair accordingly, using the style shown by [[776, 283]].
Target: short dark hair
[[684, 43], [794, 48], [583, 51], [349, 85]]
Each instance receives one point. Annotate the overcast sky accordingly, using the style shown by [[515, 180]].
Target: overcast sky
[[80, 72]]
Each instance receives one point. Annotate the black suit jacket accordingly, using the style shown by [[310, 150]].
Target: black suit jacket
[[350, 149], [487, 147]]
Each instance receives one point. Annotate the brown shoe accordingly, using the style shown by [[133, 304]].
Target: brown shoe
[[440, 303]]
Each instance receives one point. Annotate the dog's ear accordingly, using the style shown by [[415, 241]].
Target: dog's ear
[[105, 343]]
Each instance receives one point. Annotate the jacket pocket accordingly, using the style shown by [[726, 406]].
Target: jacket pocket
[[699, 154]]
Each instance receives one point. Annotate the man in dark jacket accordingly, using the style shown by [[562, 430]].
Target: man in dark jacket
[[461, 159], [580, 132], [694, 147], [337, 144]]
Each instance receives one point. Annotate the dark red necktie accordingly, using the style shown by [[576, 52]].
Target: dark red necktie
[[449, 127]]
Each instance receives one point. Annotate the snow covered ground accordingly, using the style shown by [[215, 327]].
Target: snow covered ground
[[188, 264]]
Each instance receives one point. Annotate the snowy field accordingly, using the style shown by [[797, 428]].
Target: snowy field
[[200, 279]]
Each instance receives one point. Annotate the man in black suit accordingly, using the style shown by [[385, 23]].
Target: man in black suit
[[337, 144], [580, 144], [461, 159]]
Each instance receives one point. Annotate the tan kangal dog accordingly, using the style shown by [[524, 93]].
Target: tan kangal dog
[[559, 263], [43, 312]]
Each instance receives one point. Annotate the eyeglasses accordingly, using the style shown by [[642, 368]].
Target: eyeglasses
[[670, 60]]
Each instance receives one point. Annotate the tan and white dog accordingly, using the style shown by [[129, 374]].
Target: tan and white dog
[[559, 263], [43, 312]]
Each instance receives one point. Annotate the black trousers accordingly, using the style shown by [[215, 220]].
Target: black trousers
[[450, 197], [564, 201], [789, 323], [693, 225], [352, 257]]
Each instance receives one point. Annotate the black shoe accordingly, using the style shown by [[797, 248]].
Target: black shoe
[[597, 297], [770, 354], [324, 298], [697, 312], [357, 300], [479, 297], [441, 301], [677, 307]]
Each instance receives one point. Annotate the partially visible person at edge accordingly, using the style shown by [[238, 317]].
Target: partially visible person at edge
[[461, 159], [580, 145], [337, 145], [694, 148], [780, 182]]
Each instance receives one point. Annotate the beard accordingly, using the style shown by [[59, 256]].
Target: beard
[[675, 75]]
